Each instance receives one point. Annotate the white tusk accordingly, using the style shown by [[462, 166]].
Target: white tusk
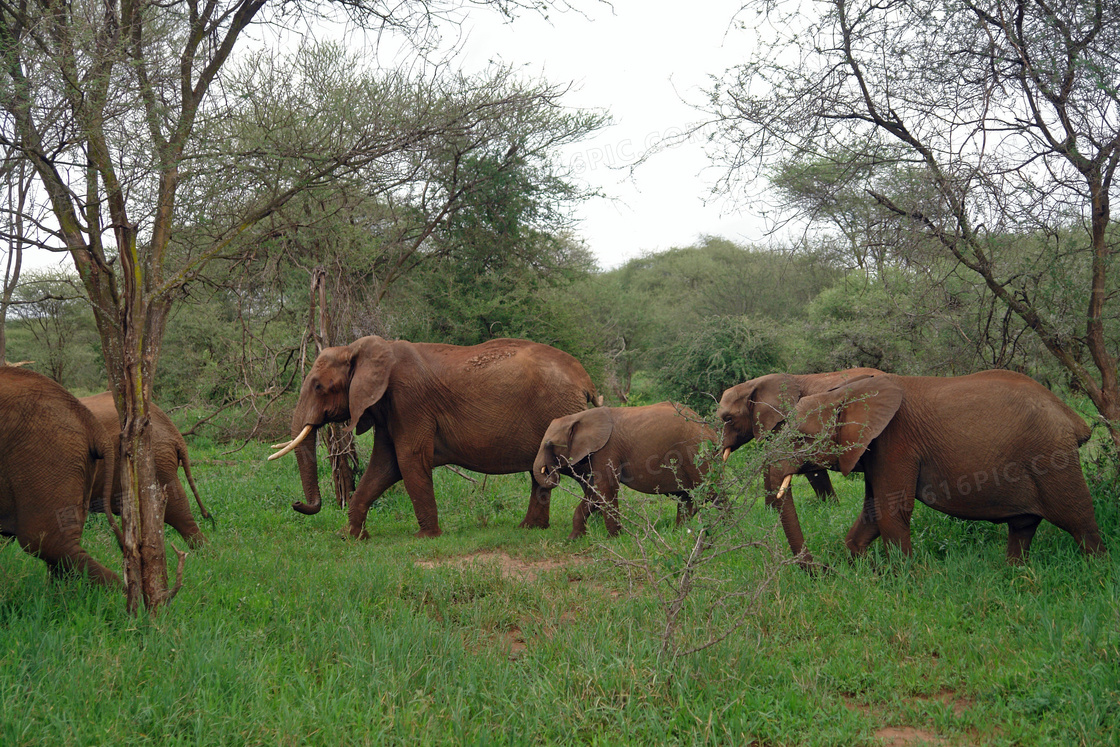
[[727, 453], [785, 486], [544, 470], [291, 444]]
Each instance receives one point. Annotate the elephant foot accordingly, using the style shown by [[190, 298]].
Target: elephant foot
[[575, 535], [533, 524], [349, 532], [197, 541], [429, 533]]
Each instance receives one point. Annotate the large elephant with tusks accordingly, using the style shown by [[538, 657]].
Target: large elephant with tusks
[[483, 407]]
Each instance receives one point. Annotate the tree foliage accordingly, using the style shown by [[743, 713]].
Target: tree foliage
[[985, 133]]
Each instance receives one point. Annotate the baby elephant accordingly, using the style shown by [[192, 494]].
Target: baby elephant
[[650, 449]]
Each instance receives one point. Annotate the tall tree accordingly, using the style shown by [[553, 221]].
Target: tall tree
[[972, 124], [112, 103], [17, 181]]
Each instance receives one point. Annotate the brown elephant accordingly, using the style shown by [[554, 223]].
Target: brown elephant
[[994, 445], [649, 449], [51, 450], [483, 407], [169, 451], [762, 410]]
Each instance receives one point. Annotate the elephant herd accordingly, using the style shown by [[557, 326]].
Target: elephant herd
[[994, 445]]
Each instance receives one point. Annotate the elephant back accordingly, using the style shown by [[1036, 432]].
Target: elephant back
[[31, 402]]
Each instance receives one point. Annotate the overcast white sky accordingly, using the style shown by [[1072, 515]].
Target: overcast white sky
[[636, 61]]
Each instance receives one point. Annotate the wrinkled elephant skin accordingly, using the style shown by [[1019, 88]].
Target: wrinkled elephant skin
[[995, 446], [651, 449], [51, 449], [169, 451], [483, 407]]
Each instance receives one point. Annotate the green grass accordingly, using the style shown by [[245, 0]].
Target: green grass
[[285, 633]]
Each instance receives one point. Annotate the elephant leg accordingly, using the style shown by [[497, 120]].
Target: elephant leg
[[600, 493], [381, 474], [178, 514], [416, 471], [686, 507], [821, 484], [1069, 506], [1020, 532], [583, 510], [64, 556], [791, 526], [893, 516], [607, 494], [611, 516], [540, 499], [1083, 529], [866, 528]]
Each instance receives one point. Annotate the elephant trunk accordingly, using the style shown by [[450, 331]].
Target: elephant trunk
[[308, 475], [546, 472]]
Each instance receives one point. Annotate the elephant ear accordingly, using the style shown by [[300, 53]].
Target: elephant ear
[[589, 433], [850, 416], [371, 361], [773, 397]]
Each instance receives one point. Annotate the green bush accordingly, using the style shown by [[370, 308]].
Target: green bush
[[720, 352]]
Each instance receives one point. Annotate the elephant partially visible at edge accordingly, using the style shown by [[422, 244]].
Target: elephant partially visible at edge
[[483, 407], [169, 451], [51, 452], [651, 449], [994, 446]]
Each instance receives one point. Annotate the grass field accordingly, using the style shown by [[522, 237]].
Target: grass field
[[284, 633]]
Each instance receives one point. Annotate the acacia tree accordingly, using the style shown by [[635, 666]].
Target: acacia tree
[[111, 103], [989, 129]]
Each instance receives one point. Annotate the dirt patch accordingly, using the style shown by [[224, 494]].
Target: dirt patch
[[514, 642], [510, 567], [485, 359], [905, 736], [911, 736], [951, 698]]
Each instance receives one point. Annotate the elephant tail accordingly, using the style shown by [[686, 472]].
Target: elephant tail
[[104, 457], [185, 461]]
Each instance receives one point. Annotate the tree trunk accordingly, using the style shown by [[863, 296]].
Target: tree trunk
[[341, 448]]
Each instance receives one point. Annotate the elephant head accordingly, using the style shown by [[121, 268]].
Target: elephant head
[[568, 441], [342, 386], [754, 408]]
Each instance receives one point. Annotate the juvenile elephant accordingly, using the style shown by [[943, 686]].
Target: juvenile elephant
[[169, 451], [994, 445], [649, 449], [761, 412], [51, 450], [483, 407]]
